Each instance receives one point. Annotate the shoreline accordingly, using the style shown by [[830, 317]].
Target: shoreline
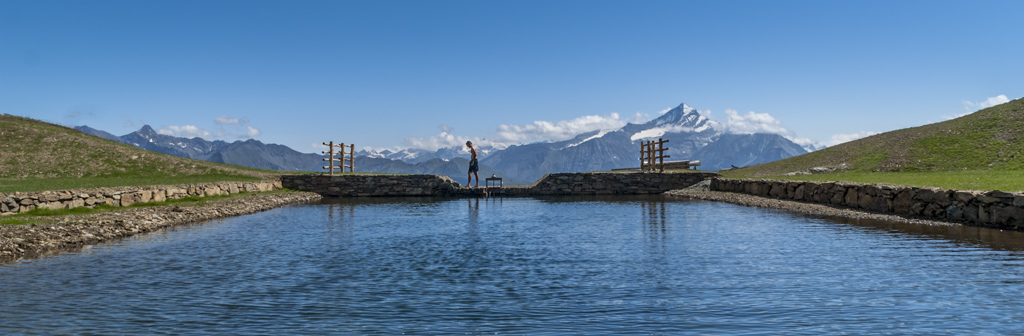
[[72, 232], [795, 206], [75, 231]]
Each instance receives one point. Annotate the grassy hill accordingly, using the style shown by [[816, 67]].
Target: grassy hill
[[36, 155], [985, 145]]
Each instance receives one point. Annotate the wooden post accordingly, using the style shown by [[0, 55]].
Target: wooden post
[[652, 164], [330, 158], [349, 160], [661, 154], [644, 159]]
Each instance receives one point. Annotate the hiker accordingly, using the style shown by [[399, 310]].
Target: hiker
[[474, 166]]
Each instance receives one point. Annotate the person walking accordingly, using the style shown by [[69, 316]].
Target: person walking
[[474, 166]]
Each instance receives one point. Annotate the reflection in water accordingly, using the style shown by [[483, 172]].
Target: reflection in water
[[654, 219]]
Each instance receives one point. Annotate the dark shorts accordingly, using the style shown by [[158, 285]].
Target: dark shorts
[[474, 166]]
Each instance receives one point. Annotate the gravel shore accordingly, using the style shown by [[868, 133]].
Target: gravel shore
[[67, 232], [806, 208]]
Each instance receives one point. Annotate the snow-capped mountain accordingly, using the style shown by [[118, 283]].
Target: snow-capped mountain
[[691, 136], [256, 154], [413, 155]]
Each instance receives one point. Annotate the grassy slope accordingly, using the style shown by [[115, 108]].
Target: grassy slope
[[36, 155], [978, 151]]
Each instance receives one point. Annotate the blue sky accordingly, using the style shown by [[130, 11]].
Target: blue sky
[[394, 74]]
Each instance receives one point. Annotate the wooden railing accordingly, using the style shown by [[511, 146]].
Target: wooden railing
[[345, 158]]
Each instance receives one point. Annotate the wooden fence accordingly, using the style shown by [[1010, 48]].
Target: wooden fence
[[652, 155], [346, 159]]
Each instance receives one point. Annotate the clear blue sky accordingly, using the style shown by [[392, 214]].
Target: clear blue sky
[[388, 74]]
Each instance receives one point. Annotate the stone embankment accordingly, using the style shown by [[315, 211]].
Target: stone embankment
[[992, 209], [372, 185], [68, 232], [596, 183], [13, 203], [616, 183]]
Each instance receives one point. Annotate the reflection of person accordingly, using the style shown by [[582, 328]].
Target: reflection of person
[[474, 166]]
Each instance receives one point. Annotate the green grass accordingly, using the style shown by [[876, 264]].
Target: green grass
[[991, 139], [36, 155], [60, 183], [970, 180]]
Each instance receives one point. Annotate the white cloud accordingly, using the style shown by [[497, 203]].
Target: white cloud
[[252, 132], [751, 123], [443, 140], [991, 101], [507, 135], [225, 120], [557, 131], [971, 107], [841, 138], [810, 145], [187, 131]]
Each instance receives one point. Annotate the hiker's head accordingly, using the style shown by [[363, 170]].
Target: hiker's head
[[469, 143]]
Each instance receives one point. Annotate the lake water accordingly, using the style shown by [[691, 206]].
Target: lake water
[[589, 266]]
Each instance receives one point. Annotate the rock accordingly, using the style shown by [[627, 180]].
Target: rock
[[999, 194], [954, 213], [851, 196], [964, 196]]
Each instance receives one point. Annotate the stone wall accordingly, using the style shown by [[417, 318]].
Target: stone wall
[[631, 183], [12, 203], [994, 209], [358, 185]]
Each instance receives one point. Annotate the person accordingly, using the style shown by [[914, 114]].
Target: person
[[474, 166]]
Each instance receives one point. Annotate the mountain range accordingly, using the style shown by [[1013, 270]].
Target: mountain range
[[690, 136], [255, 154]]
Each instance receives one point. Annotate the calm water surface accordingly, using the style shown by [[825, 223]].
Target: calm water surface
[[626, 265]]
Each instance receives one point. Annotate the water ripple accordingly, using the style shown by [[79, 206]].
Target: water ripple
[[626, 265]]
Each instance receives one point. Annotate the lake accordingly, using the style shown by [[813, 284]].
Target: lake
[[581, 265]]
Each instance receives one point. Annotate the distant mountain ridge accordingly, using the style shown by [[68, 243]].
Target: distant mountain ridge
[[255, 154], [691, 136]]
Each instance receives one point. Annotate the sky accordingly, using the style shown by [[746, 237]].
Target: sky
[[426, 74]]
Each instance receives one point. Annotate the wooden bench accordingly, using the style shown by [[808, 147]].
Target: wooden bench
[[672, 165], [680, 165]]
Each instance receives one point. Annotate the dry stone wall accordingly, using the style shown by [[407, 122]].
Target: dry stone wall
[[994, 209], [12, 203], [357, 185], [616, 183]]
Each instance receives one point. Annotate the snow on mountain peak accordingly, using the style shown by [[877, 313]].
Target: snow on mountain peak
[[682, 118], [595, 136]]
